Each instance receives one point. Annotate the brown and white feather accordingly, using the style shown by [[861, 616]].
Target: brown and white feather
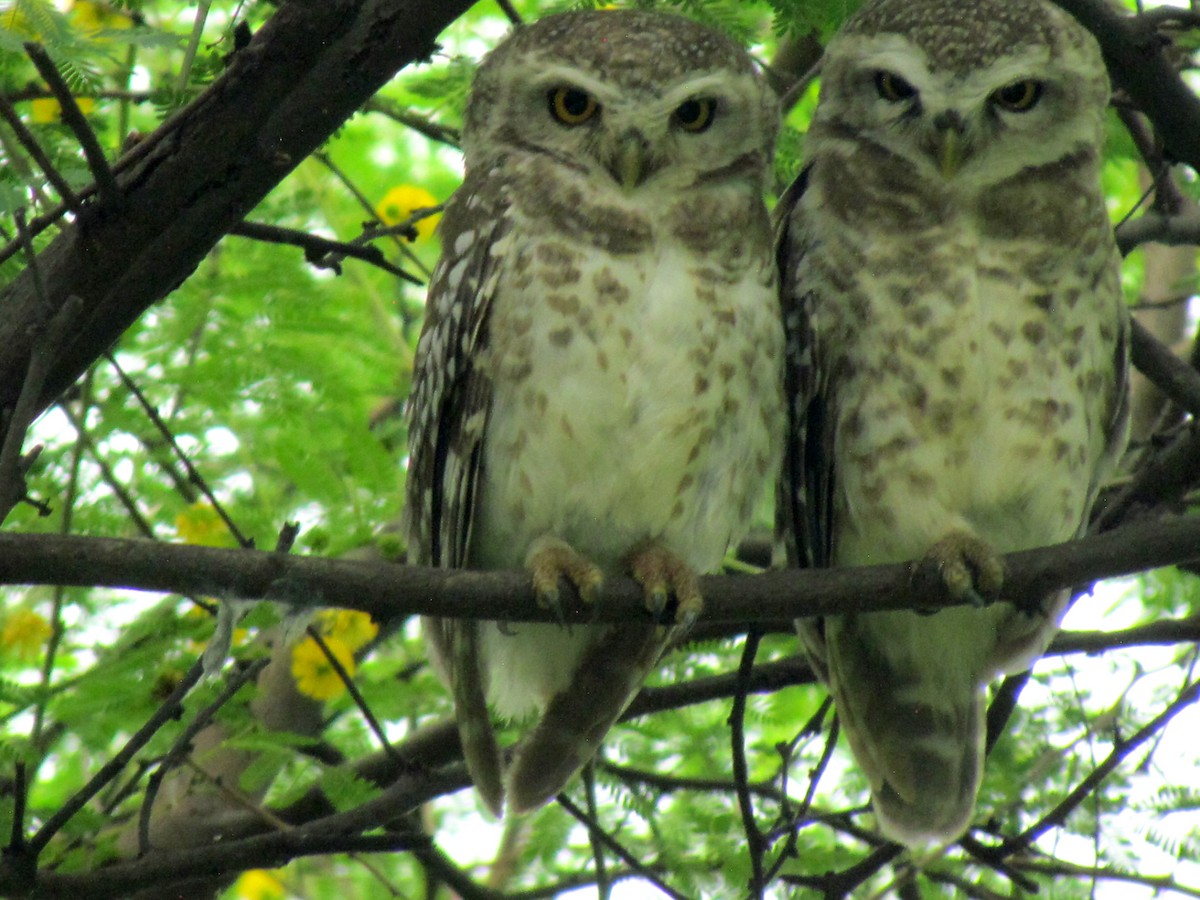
[[957, 359], [602, 362]]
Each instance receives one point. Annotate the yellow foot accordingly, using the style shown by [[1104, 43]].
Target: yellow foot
[[661, 573], [549, 559], [966, 568]]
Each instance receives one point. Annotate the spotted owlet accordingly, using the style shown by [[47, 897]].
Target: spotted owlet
[[598, 386], [956, 358]]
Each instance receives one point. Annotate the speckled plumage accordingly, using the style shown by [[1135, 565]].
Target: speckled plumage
[[957, 358], [601, 364]]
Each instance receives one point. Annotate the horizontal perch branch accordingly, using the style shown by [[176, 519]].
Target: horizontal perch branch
[[387, 590]]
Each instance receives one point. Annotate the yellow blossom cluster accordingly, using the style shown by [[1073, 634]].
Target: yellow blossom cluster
[[344, 632], [47, 110], [90, 18], [258, 884], [402, 201], [24, 634], [202, 526]]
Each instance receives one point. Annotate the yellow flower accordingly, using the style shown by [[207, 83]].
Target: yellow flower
[[90, 17], [258, 884], [353, 628], [314, 675], [199, 524], [25, 633], [402, 201], [46, 109]]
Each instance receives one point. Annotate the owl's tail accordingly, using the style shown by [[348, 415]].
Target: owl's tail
[[575, 721], [914, 713]]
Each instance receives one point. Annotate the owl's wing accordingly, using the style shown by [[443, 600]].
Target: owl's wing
[[934, 790], [802, 501], [802, 497], [449, 405], [451, 397], [1118, 397]]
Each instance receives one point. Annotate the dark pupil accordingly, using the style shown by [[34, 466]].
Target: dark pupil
[[690, 112], [1023, 93], [893, 87], [575, 103]]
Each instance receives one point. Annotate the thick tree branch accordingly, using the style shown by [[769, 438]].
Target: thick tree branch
[[388, 590], [1170, 374], [1133, 50], [186, 185], [1159, 228]]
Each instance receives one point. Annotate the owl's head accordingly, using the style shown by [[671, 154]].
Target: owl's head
[[965, 92], [626, 98]]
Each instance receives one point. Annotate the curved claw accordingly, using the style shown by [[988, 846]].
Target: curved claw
[[661, 573], [965, 567], [549, 559]]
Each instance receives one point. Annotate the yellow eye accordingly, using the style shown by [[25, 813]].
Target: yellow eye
[[1020, 96], [695, 115], [571, 106], [893, 88]]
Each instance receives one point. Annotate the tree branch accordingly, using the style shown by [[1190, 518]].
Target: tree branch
[[1133, 50], [1159, 228], [305, 72], [1171, 375], [387, 590]]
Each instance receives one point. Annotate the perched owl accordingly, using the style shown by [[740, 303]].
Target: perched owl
[[598, 386], [956, 362]]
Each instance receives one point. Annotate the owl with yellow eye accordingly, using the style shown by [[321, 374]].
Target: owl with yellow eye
[[598, 384], [957, 360]]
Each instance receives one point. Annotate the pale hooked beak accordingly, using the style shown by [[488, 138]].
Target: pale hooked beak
[[631, 161], [949, 144]]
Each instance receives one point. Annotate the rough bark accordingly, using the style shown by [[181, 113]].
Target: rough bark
[[202, 171]]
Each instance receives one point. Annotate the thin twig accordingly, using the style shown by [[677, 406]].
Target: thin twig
[[182, 746], [168, 710], [509, 10], [107, 475], [435, 131], [369, 208], [189, 54], [1121, 749], [34, 149], [73, 117], [798, 817], [615, 847], [359, 701], [444, 869], [671, 783], [984, 854], [20, 795], [842, 884], [603, 885], [41, 359], [318, 250], [1059, 869], [193, 473], [737, 736]]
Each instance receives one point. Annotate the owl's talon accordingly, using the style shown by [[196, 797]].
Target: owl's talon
[[961, 567], [656, 599], [661, 573], [974, 598], [550, 559], [687, 614]]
